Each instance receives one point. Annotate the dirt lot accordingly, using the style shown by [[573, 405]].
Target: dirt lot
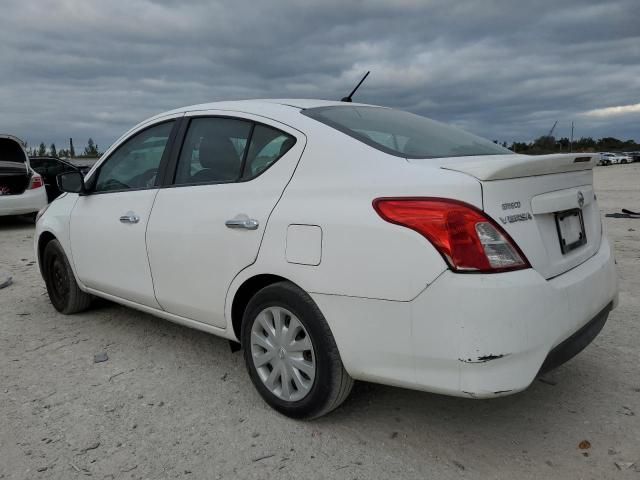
[[176, 403]]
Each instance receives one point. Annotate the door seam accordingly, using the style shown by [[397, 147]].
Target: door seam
[[264, 231], [146, 248]]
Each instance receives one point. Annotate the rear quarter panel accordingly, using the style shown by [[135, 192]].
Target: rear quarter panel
[[362, 255]]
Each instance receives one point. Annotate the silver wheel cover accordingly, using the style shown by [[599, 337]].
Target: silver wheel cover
[[283, 354]]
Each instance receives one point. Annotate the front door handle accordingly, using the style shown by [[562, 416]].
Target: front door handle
[[129, 217], [244, 222]]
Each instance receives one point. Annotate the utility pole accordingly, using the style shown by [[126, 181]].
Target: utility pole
[[571, 141]]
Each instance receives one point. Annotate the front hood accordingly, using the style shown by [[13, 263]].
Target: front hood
[[502, 167]]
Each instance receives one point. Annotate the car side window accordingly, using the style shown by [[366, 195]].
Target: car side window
[[267, 145], [56, 167], [49, 167], [37, 164], [135, 163], [213, 151]]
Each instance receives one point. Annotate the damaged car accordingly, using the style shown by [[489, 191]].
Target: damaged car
[[336, 241], [22, 189]]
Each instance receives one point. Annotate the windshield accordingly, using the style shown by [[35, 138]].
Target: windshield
[[402, 133]]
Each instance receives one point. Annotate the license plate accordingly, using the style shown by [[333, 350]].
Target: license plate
[[570, 230]]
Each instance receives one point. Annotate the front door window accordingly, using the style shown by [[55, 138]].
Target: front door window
[[135, 163]]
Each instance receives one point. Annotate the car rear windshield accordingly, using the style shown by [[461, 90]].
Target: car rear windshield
[[402, 133]]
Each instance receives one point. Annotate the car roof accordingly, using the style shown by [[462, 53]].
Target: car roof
[[299, 103], [260, 106]]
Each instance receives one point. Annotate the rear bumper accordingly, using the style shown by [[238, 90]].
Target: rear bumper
[[576, 342], [29, 201], [478, 336]]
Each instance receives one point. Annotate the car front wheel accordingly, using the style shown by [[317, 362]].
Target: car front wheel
[[290, 353], [63, 290]]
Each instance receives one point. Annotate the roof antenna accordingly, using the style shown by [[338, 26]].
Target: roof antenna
[[348, 98]]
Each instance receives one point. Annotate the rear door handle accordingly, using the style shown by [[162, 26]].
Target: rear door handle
[[129, 217], [244, 222]]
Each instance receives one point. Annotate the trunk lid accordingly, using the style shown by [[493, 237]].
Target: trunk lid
[[545, 203], [502, 167], [14, 167]]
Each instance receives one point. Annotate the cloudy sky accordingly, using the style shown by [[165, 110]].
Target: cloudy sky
[[503, 69]]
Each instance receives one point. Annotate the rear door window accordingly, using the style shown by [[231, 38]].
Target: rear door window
[[225, 150], [213, 151], [267, 146]]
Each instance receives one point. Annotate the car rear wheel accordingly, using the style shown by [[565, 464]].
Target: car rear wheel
[[290, 353], [63, 290]]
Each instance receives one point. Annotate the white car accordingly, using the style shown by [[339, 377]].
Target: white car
[[606, 158], [623, 158], [614, 158], [339, 241], [22, 190]]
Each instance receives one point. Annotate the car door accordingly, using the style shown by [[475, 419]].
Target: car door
[[49, 169], [207, 226], [108, 224], [55, 168], [40, 166]]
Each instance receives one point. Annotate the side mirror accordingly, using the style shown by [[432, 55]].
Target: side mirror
[[71, 182]]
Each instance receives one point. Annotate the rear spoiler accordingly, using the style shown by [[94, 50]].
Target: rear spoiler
[[502, 167]]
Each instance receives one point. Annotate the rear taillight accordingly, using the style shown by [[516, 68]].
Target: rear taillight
[[467, 239], [35, 182]]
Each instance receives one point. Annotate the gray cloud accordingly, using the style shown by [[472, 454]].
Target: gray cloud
[[506, 70]]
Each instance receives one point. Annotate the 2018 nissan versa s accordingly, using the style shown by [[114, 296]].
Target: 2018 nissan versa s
[[340, 241]]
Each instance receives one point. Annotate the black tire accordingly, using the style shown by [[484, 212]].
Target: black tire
[[64, 293], [332, 384]]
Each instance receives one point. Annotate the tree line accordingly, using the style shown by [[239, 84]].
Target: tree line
[[90, 151], [550, 144]]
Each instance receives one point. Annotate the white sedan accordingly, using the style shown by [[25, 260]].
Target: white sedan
[[337, 241], [623, 158], [22, 189]]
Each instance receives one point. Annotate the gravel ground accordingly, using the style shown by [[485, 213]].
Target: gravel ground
[[170, 402]]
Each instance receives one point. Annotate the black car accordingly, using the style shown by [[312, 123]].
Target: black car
[[49, 168]]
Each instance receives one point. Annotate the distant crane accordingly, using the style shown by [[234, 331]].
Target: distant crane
[[547, 142]]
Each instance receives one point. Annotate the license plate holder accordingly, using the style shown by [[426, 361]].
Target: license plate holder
[[570, 226]]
